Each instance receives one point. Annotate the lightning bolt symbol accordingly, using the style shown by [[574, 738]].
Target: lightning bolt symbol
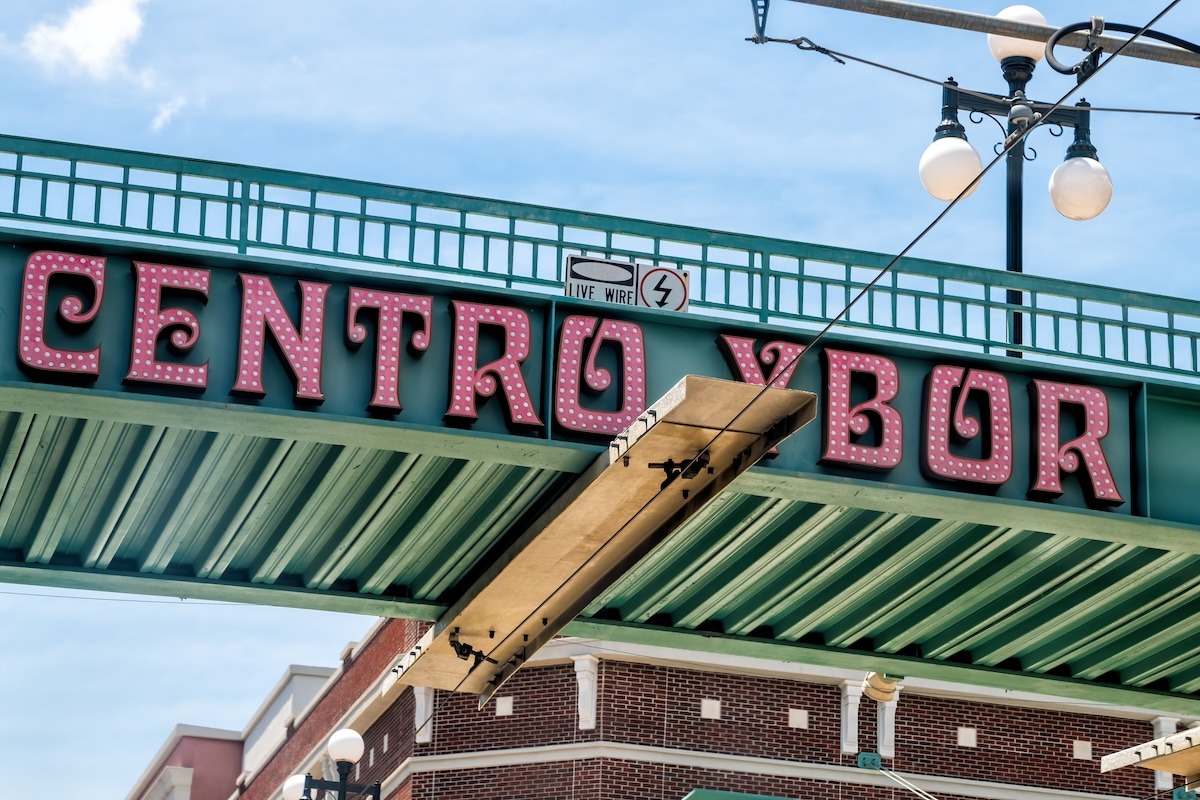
[[663, 290]]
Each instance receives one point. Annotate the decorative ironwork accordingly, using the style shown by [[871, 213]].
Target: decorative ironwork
[[977, 117], [1095, 27]]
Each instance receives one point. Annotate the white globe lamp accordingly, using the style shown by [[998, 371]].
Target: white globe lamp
[[345, 748], [1003, 47], [948, 166], [1080, 188], [346, 745], [293, 788]]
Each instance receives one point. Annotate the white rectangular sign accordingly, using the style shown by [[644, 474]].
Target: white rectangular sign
[[626, 283]]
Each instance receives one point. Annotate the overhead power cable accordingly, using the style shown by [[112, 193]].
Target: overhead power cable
[[984, 23], [785, 369], [804, 43]]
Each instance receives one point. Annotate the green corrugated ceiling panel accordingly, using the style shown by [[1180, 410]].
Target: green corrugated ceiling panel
[[242, 509], [939, 589], [855, 551], [686, 559]]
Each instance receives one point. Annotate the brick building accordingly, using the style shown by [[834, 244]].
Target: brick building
[[591, 719], [198, 763]]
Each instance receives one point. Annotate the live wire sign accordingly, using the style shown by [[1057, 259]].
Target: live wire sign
[[627, 283]]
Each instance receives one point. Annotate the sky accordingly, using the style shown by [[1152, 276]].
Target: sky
[[657, 111]]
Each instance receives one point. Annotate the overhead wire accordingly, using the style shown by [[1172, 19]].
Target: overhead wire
[[806, 44], [785, 369], [1013, 140], [907, 784]]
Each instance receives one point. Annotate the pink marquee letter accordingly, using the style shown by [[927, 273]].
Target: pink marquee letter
[[149, 322], [575, 371], [1084, 451], [782, 357], [943, 384], [467, 379], [33, 350], [842, 419], [391, 307], [301, 349]]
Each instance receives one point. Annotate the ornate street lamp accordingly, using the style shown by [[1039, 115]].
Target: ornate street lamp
[[345, 749], [1080, 187]]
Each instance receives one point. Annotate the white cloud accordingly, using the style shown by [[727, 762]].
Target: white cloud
[[166, 112], [93, 39]]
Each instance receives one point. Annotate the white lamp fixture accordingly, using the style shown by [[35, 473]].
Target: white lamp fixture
[[948, 166], [293, 788], [1003, 47], [345, 749], [1080, 188], [346, 745]]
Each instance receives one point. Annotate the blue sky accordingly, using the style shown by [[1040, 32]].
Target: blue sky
[[653, 110]]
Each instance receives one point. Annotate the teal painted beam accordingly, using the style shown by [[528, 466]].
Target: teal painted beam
[[944, 504], [713, 794], [218, 591]]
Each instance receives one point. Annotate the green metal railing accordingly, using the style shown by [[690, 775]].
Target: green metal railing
[[83, 190]]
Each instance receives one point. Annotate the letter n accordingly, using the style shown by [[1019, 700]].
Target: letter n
[[301, 348]]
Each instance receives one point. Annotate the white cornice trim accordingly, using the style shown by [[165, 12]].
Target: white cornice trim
[[325, 673], [728, 763], [563, 649]]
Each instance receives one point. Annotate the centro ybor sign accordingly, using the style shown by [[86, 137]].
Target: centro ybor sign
[[372, 347]]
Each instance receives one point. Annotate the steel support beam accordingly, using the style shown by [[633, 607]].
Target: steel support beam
[[672, 461], [970, 21]]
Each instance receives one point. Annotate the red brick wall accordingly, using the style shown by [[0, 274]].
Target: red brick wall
[[660, 706], [544, 713], [1017, 745], [611, 779], [215, 766], [655, 705], [526, 781], [396, 725]]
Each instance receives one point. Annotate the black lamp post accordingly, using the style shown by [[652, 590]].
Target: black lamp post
[[345, 749], [1080, 187]]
